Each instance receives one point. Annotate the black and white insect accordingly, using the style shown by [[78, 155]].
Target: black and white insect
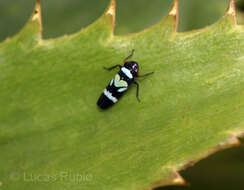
[[120, 83]]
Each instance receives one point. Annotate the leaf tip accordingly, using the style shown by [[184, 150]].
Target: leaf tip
[[175, 13], [231, 11], [174, 179], [178, 180], [111, 11], [232, 141], [37, 15]]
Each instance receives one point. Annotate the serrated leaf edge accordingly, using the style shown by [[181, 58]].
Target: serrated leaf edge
[[233, 140]]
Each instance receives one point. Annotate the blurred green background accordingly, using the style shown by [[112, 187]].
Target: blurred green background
[[223, 170], [68, 16]]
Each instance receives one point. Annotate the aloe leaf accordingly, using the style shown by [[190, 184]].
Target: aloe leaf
[[52, 134]]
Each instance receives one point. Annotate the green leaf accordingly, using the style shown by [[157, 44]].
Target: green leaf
[[53, 136]]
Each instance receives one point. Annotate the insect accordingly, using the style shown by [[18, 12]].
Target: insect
[[120, 83]]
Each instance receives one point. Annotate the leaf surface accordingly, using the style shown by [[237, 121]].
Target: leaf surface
[[52, 135]]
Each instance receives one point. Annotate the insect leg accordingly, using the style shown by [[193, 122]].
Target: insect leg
[[132, 53], [145, 74], [137, 91], [113, 67]]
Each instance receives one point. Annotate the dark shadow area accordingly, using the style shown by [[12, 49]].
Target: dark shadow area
[[240, 5]]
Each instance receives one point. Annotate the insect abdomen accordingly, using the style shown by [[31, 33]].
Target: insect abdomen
[[104, 101], [112, 92]]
